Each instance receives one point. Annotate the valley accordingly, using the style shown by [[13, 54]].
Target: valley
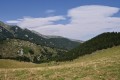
[[59, 39]]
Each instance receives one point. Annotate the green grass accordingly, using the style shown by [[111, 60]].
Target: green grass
[[100, 65]]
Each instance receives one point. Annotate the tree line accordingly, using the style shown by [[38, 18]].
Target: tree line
[[102, 41]]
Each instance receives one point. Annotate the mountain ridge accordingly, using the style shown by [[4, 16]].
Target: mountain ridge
[[28, 35]]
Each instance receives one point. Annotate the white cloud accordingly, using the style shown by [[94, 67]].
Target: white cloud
[[12, 21], [85, 22], [93, 19], [30, 23]]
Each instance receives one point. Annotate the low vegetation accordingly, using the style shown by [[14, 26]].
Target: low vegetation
[[100, 65], [26, 51]]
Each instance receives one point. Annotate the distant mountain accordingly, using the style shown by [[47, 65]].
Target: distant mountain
[[53, 36], [80, 41], [46, 36], [102, 41], [7, 31]]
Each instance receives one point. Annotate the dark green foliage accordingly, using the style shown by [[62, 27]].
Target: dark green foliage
[[27, 50], [63, 43], [48, 56], [0, 56], [22, 58], [31, 51], [5, 33], [102, 41]]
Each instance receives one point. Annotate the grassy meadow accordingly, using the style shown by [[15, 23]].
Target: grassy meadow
[[100, 65]]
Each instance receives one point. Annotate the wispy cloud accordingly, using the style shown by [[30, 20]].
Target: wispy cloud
[[13, 21], [29, 22], [50, 11], [85, 22]]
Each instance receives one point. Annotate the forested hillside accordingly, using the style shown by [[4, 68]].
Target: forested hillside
[[102, 41]]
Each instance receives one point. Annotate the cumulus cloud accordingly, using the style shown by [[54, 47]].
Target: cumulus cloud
[[85, 22]]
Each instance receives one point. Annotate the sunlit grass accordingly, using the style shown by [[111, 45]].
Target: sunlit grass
[[100, 65]]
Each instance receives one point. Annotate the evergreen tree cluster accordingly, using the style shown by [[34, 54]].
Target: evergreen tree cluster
[[102, 41]]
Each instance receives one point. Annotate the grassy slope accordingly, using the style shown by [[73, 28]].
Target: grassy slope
[[101, 65]]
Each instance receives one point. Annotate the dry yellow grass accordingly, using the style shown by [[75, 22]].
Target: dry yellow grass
[[101, 65]]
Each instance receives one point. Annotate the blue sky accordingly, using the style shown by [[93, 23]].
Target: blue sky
[[61, 12], [13, 9]]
